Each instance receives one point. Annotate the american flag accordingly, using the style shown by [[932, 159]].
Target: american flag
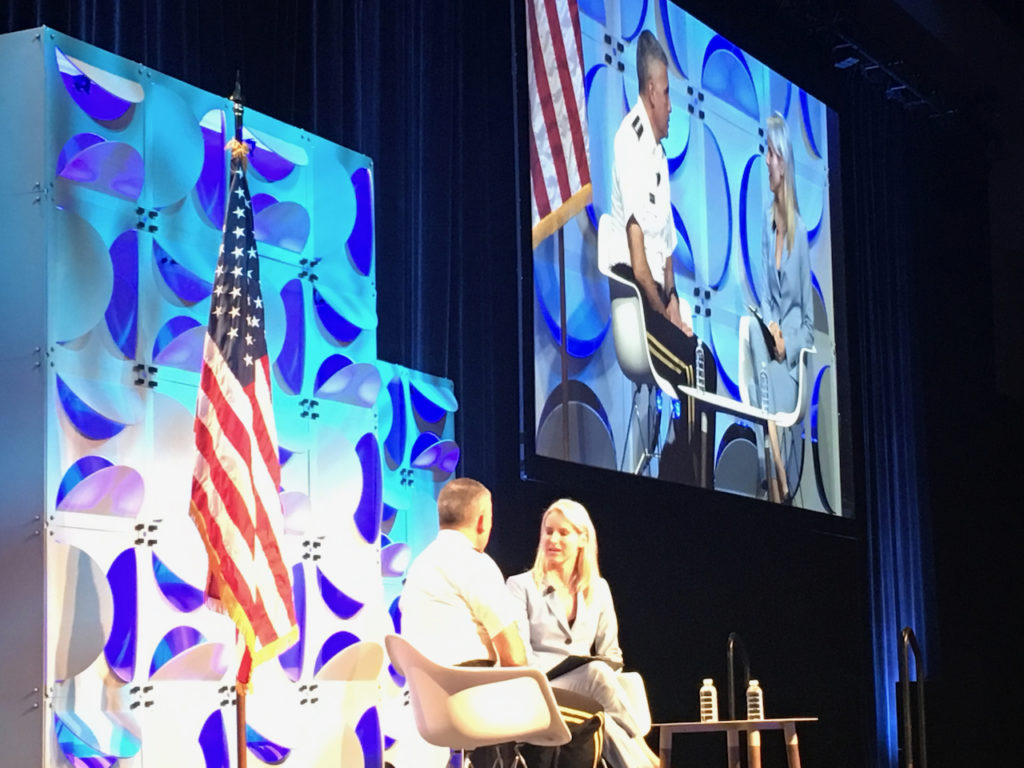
[[235, 483], [559, 168]]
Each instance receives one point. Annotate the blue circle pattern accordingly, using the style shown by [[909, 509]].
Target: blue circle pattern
[[669, 42], [291, 658], [685, 257], [639, 23], [805, 111], [815, 399], [718, 76], [715, 285], [744, 244], [265, 750]]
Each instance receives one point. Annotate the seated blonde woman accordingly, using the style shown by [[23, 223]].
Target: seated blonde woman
[[567, 611]]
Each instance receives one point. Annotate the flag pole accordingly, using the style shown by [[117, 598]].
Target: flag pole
[[240, 723], [564, 346], [244, 666], [234, 489], [239, 105]]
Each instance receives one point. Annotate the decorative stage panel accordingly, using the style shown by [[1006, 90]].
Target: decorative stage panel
[[112, 188]]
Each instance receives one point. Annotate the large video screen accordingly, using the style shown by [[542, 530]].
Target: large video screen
[[683, 248]]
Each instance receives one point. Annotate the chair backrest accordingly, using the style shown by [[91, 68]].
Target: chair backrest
[[612, 247], [469, 707], [628, 330], [745, 374], [803, 391], [636, 695]]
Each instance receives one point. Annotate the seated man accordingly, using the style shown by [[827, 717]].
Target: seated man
[[455, 606], [457, 610], [641, 205]]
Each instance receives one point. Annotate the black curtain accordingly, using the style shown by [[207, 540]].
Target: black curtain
[[935, 438], [884, 256]]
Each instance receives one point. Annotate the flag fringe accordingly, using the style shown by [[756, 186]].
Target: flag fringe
[[228, 604]]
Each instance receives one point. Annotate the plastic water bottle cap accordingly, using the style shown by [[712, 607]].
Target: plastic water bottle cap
[[753, 683], [708, 681]]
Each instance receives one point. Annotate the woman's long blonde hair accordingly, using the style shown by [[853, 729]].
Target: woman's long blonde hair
[[585, 571], [778, 137]]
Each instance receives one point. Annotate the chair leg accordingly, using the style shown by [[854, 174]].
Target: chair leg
[[653, 434], [482, 755], [796, 492], [648, 441], [771, 485], [780, 466], [634, 415]]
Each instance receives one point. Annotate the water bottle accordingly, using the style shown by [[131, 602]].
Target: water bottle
[[755, 701], [708, 702]]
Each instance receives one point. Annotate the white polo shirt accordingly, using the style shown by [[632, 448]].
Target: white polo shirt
[[640, 189], [454, 601]]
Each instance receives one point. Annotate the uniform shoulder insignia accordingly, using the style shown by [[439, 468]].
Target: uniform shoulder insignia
[[638, 126]]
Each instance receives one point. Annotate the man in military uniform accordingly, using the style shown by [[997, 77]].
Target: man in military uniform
[[641, 204]]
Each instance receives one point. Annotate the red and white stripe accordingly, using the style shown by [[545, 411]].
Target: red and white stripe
[[559, 167], [236, 505]]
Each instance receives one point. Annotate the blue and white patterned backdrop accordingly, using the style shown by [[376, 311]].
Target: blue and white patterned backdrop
[[721, 98], [137, 670]]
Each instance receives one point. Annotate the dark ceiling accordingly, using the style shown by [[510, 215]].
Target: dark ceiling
[[1010, 12]]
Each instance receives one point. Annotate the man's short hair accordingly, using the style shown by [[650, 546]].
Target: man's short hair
[[458, 500], [648, 50]]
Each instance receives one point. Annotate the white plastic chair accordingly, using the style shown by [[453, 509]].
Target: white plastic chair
[[629, 330], [636, 693], [746, 373], [463, 708]]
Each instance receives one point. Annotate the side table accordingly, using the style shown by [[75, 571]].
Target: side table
[[732, 730]]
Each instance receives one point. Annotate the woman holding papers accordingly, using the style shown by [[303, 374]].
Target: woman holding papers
[[784, 290], [570, 630]]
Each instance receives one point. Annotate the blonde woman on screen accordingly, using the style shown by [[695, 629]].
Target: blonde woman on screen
[[786, 308], [567, 613]]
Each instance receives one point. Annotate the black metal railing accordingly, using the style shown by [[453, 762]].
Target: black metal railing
[[735, 641], [908, 641]]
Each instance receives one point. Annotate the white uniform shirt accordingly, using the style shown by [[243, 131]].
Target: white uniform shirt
[[640, 189], [454, 601]]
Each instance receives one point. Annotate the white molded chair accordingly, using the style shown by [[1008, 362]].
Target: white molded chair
[[746, 373], [636, 693], [629, 330], [463, 708]]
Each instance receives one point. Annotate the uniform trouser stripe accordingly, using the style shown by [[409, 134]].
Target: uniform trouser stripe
[[659, 351], [676, 363]]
